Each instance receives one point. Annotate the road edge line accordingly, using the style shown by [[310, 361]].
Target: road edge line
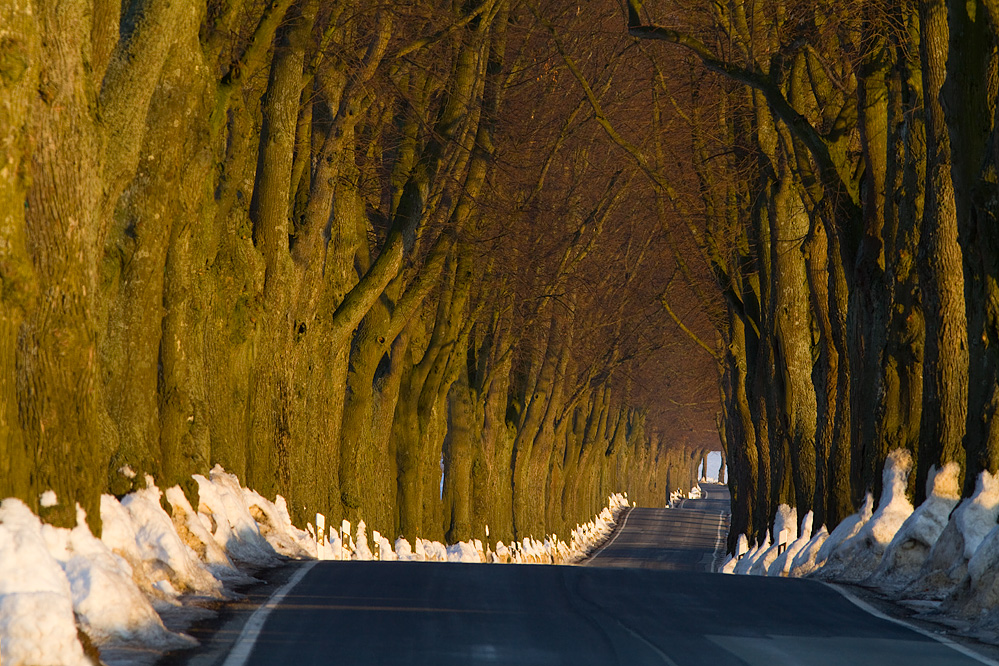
[[617, 530], [952, 644], [247, 639]]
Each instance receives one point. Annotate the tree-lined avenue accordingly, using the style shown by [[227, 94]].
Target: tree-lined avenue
[[419, 613]]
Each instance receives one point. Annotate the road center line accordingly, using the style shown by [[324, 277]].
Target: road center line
[[718, 542], [251, 630]]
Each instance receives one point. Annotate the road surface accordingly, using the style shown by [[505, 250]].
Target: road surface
[[688, 538], [633, 613]]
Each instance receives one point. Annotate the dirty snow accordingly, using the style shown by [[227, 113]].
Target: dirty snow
[[848, 528]]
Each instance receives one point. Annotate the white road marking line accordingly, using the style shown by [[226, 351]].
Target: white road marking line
[[617, 531], [954, 645], [718, 543], [240, 652]]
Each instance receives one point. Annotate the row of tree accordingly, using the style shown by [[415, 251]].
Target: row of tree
[[847, 159], [373, 257]]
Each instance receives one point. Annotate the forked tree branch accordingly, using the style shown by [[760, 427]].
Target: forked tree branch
[[816, 144]]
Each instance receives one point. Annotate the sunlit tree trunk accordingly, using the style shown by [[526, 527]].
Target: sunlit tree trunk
[[945, 366]]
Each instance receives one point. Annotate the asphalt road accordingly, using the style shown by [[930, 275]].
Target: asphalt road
[[635, 612], [690, 537]]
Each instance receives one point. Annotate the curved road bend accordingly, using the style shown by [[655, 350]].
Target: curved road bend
[[379, 614]]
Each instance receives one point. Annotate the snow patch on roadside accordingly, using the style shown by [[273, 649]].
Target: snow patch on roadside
[[221, 500], [782, 565], [970, 523], [856, 558], [57, 583], [785, 531], [908, 551], [939, 558], [37, 625], [848, 528]]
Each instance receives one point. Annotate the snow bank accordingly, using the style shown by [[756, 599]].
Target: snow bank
[[462, 552], [222, 501], [749, 559], [361, 549], [274, 523], [431, 551], [37, 625], [171, 565], [946, 566], [55, 582], [382, 547], [804, 562], [110, 608], [785, 531], [502, 553], [976, 517], [982, 589], [195, 533], [741, 547], [946, 550], [782, 564], [855, 559], [848, 528], [909, 549]]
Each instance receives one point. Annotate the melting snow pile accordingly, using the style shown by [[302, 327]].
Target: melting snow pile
[[856, 558], [55, 582], [676, 497], [945, 551]]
